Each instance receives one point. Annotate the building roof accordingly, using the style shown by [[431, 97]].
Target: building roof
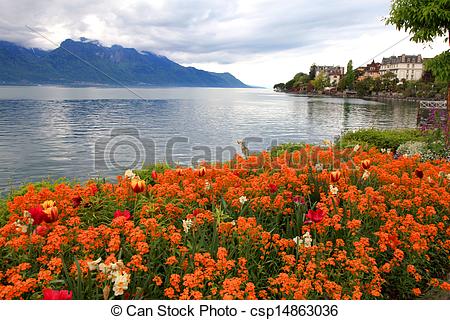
[[402, 59]]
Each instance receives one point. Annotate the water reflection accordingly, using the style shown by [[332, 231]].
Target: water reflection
[[52, 131]]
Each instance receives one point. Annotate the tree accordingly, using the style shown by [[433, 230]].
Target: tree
[[389, 82], [350, 76], [426, 20], [321, 81], [312, 72], [279, 87]]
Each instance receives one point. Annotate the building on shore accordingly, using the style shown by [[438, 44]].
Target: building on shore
[[372, 70], [405, 67], [334, 73]]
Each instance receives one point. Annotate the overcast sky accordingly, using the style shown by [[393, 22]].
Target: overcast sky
[[261, 42]]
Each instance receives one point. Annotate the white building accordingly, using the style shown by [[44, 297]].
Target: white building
[[404, 67]]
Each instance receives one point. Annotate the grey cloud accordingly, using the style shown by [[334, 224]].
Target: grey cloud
[[223, 31]]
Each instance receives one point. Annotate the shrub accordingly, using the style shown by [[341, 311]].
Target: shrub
[[382, 139]]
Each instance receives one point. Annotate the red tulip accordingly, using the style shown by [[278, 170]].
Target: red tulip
[[315, 215], [124, 213], [50, 294], [51, 214], [138, 185], [419, 173], [42, 230], [273, 188], [201, 171], [335, 176], [365, 164], [180, 171], [195, 212], [37, 214], [154, 175]]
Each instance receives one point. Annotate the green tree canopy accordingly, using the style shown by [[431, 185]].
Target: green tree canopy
[[350, 76], [424, 19], [321, 81]]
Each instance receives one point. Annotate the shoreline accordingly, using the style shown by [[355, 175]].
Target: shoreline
[[372, 98]]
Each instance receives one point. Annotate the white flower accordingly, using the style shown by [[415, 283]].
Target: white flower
[[383, 150], [356, 148], [388, 151], [319, 167], [129, 174], [448, 176], [298, 241], [111, 269], [28, 217], [20, 227], [121, 281], [94, 265], [207, 185], [243, 199], [366, 175], [327, 142], [333, 190], [187, 224], [233, 222], [307, 240]]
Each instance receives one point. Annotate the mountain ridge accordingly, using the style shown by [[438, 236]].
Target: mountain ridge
[[87, 62]]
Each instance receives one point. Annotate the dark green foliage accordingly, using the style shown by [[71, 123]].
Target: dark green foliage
[[440, 66], [279, 87], [350, 76]]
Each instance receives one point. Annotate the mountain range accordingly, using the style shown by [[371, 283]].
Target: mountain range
[[87, 62]]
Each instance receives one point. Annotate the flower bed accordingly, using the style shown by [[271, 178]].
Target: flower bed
[[312, 224]]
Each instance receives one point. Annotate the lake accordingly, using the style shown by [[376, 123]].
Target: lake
[[89, 132]]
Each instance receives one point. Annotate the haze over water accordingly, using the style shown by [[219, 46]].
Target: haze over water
[[53, 131]]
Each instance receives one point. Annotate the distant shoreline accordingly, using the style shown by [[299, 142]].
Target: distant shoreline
[[380, 98]]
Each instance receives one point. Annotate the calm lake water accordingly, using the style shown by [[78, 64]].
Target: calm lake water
[[88, 132]]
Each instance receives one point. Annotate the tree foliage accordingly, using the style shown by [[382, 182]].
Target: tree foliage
[[321, 81], [350, 76], [440, 66], [424, 19]]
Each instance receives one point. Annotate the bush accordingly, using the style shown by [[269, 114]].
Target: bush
[[381, 139], [286, 147]]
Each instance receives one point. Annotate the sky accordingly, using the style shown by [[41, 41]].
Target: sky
[[261, 42]]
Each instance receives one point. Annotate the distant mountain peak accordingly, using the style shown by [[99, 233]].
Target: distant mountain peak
[[87, 62], [87, 40]]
